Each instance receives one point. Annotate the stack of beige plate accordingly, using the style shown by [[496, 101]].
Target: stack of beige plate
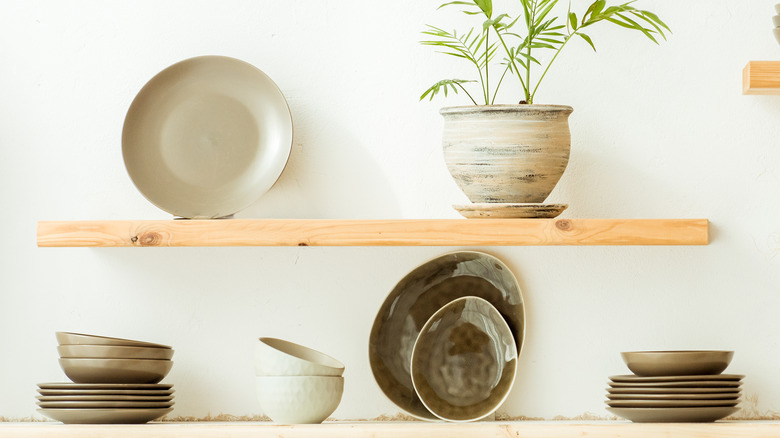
[[114, 381], [675, 386]]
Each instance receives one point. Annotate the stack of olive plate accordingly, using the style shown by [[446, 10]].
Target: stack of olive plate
[[104, 403], [693, 398]]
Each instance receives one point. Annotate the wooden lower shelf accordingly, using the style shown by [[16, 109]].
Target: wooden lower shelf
[[402, 232], [521, 429]]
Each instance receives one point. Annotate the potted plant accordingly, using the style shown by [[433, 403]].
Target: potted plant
[[508, 158]]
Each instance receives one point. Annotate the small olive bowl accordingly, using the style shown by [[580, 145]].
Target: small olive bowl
[[677, 362]]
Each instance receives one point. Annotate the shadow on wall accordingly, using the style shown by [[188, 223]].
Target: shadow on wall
[[329, 175]]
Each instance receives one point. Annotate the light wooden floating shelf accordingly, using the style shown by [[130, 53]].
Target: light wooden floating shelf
[[403, 232], [761, 77], [522, 429]]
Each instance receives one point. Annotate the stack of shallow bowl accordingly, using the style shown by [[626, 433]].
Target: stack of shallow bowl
[[296, 384], [675, 386], [113, 381], [776, 21], [445, 343]]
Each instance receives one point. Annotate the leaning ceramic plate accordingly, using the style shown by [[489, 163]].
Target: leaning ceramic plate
[[674, 415], [417, 297], [464, 361], [206, 137], [671, 391], [630, 378], [105, 416], [669, 403]]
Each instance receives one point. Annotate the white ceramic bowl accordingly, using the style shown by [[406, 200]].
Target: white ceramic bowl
[[81, 370], [277, 357], [776, 31], [299, 399], [114, 352], [776, 20], [777, 8]]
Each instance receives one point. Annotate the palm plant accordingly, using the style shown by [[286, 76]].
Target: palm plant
[[479, 46]]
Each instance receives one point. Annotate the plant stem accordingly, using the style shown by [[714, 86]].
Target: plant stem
[[487, 71], [499, 85], [467, 93], [512, 60], [549, 64]]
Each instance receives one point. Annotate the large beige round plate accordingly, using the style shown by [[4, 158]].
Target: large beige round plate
[[104, 416], [417, 297], [206, 137], [674, 415]]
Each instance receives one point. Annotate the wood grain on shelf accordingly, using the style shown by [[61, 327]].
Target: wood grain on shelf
[[523, 429], [403, 232], [761, 77]]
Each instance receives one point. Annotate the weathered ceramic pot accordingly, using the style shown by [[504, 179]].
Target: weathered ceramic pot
[[506, 153]]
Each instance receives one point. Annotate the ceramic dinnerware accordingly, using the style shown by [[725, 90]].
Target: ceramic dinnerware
[[417, 297], [685, 396], [68, 338], [669, 403], [464, 361], [114, 352], [105, 416], [105, 404], [206, 137], [509, 211], [107, 397], [277, 357], [643, 390], [299, 399], [70, 386], [717, 384], [674, 415], [776, 20], [81, 370], [677, 363], [724, 378]]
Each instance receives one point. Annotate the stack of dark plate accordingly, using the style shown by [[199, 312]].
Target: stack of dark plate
[[675, 386], [113, 381]]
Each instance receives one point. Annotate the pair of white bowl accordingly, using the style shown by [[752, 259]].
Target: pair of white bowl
[[776, 21], [296, 384], [99, 359]]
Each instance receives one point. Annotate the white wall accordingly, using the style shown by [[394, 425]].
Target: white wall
[[658, 131]]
